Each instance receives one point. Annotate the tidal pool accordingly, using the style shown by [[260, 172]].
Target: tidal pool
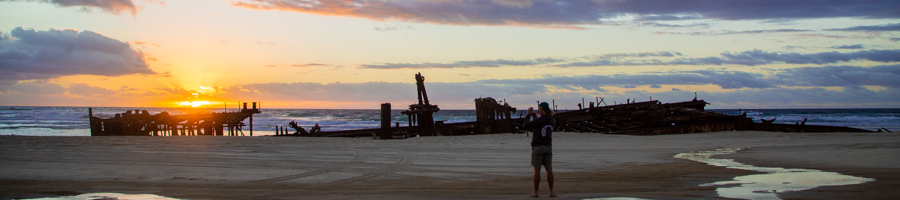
[[775, 180], [108, 196]]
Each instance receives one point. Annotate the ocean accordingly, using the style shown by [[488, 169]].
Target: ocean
[[73, 121]]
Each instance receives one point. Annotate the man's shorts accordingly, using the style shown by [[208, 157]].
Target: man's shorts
[[541, 155]]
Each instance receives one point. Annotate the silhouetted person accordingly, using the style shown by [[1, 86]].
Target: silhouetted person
[[541, 151]]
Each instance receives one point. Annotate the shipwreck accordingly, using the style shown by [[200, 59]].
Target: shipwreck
[[632, 118], [141, 123], [492, 116]]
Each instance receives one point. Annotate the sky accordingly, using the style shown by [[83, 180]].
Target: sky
[[357, 54]]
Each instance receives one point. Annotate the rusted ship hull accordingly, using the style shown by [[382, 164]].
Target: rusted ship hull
[[638, 118], [141, 123]]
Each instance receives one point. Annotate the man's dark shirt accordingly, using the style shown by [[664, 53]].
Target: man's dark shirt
[[542, 127]]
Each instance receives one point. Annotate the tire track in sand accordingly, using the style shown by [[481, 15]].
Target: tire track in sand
[[405, 159], [360, 157]]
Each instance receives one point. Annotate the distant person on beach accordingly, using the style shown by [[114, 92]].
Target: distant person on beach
[[541, 152]]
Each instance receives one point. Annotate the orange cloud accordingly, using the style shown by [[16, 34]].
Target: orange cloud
[[110, 6]]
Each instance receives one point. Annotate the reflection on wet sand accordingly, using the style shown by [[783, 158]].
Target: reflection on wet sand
[[775, 180], [108, 196]]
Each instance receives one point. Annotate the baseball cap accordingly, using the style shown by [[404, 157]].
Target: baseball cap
[[544, 105]]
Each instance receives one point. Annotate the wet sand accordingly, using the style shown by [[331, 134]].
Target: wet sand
[[496, 166]]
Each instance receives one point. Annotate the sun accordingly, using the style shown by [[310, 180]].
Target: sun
[[195, 99], [193, 104]]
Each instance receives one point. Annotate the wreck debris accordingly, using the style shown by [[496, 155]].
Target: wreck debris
[[386, 121], [633, 118], [162, 124], [421, 115], [655, 118], [300, 131], [649, 118], [492, 117]]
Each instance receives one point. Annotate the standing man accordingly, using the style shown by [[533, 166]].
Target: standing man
[[541, 151]]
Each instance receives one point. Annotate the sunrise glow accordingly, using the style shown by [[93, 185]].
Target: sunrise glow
[[193, 104], [345, 54]]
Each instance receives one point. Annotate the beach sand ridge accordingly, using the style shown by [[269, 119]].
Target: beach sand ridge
[[587, 165]]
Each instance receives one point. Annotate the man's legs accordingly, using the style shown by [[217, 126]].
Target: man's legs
[[537, 180], [549, 179]]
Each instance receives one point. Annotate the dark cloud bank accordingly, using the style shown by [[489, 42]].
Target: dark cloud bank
[[110, 6], [844, 76], [746, 58], [553, 13], [759, 57], [570, 13], [789, 88], [886, 27], [28, 54], [854, 46]]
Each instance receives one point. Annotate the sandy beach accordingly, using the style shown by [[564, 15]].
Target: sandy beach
[[587, 165]]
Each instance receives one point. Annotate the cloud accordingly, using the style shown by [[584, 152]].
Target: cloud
[[779, 90], [805, 98], [389, 27], [643, 54], [302, 65], [461, 93], [461, 64], [373, 91], [572, 14], [759, 57], [547, 14], [728, 32], [311, 65], [855, 46], [752, 58], [263, 42], [656, 24], [616, 59], [844, 76], [87, 90], [792, 47], [670, 17], [28, 54], [826, 76], [145, 43], [724, 79], [609, 62], [35, 87], [318, 91], [867, 36], [514, 3], [797, 87], [765, 9], [109, 6], [747, 58], [786, 88], [886, 27]]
